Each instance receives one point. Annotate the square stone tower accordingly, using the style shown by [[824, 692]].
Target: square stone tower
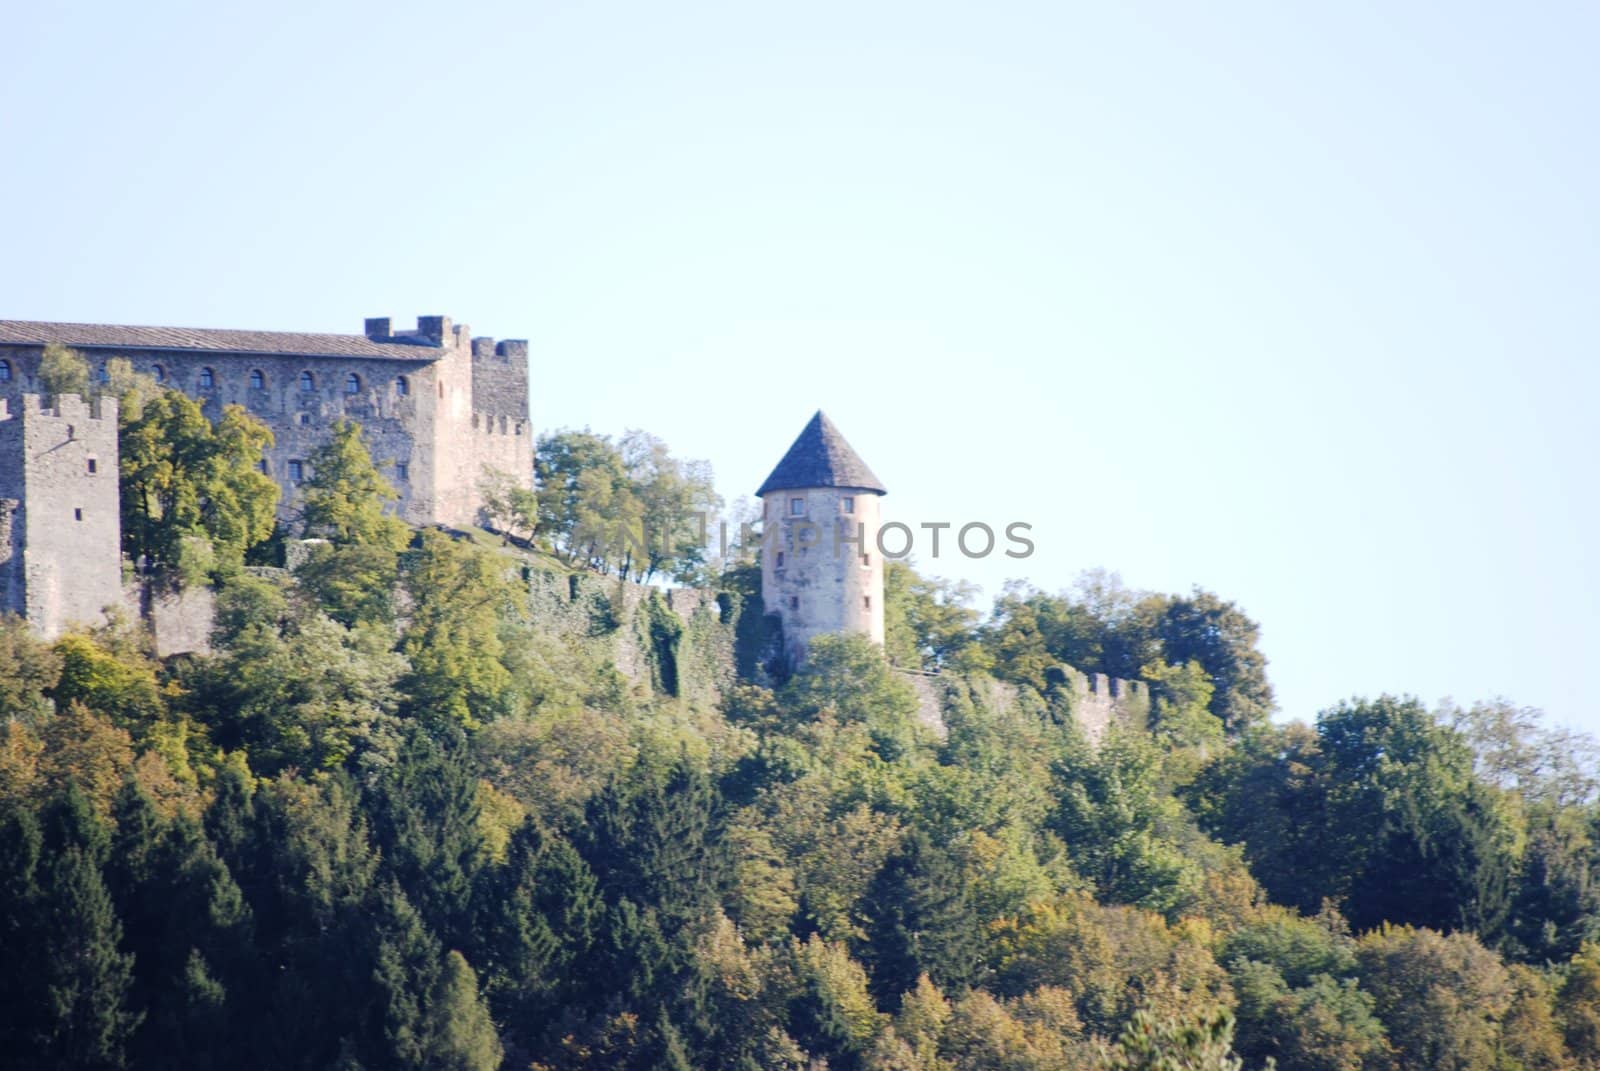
[[60, 525], [821, 571]]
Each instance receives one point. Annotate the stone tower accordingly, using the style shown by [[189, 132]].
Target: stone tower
[[60, 545], [821, 571]]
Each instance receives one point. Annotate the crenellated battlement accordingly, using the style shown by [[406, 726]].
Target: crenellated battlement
[[1097, 701], [61, 407]]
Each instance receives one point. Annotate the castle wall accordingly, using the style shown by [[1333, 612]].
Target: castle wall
[[419, 415], [60, 560], [830, 585], [502, 437]]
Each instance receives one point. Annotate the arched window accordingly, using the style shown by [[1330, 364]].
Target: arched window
[[402, 386], [258, 379], [352, 384], [5, 371], [159, 372], [208, 379], [308, 382]]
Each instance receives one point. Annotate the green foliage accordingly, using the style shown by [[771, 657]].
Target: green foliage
[[1441, 997], [187, 481], [346, 498], [460, 597], [63, 371], [31, 669], [929, 623], [627, 507], [410, 812], [1200, 1043], [1102, 627]]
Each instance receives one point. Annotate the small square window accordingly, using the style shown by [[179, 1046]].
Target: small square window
[[797, 506], [94, 466], [402, 471], [849, 504], [77, 514], [297, 471], [305, 419]]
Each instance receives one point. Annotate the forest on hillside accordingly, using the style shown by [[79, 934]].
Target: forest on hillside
[[395, 819]]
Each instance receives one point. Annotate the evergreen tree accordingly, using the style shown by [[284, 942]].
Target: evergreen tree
[[920, 920]]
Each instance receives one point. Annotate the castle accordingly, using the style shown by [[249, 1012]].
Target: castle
[[439, 408], [821, 571]]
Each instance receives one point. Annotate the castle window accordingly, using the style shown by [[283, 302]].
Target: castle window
[[866, 602], [797, 506], [104, 375], [308, 382], [5, 371], [258, 380], [402, 386], [77, 514], [402, 471], [352, 384], [297, 471], [208, 379], [866, 560], [780, 559], [305, 418], [94, 466], [159, 373], [794, 602], [849, 504], [261, 467]]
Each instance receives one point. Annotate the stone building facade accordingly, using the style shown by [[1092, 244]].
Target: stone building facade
[[438, 406], [821, 571], [60, 525]]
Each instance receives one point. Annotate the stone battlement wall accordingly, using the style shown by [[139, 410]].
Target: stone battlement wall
[[433, 421]]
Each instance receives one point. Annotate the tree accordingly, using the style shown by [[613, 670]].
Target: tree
[[63, 371], [308, 692], [29, 668], [1440, 997], [1198, 1043], [459, 595], [1203, 628], [585, 502], [510, 507], [920, 921], [928, 622], [185, 481], [346, 498], [84, 975], [676, 499], [345, 502], [461, 1035], [849, 675]]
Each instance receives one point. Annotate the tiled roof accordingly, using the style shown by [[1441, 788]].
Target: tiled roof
[[820, 457], [285, 343]]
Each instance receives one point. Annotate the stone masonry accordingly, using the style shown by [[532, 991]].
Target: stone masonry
[[60, 530], [820, 567], [439, 407]]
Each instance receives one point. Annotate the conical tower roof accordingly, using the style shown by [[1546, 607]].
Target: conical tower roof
[[820, 457]]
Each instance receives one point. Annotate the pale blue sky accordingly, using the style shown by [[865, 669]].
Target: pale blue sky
[[1298, 305]]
